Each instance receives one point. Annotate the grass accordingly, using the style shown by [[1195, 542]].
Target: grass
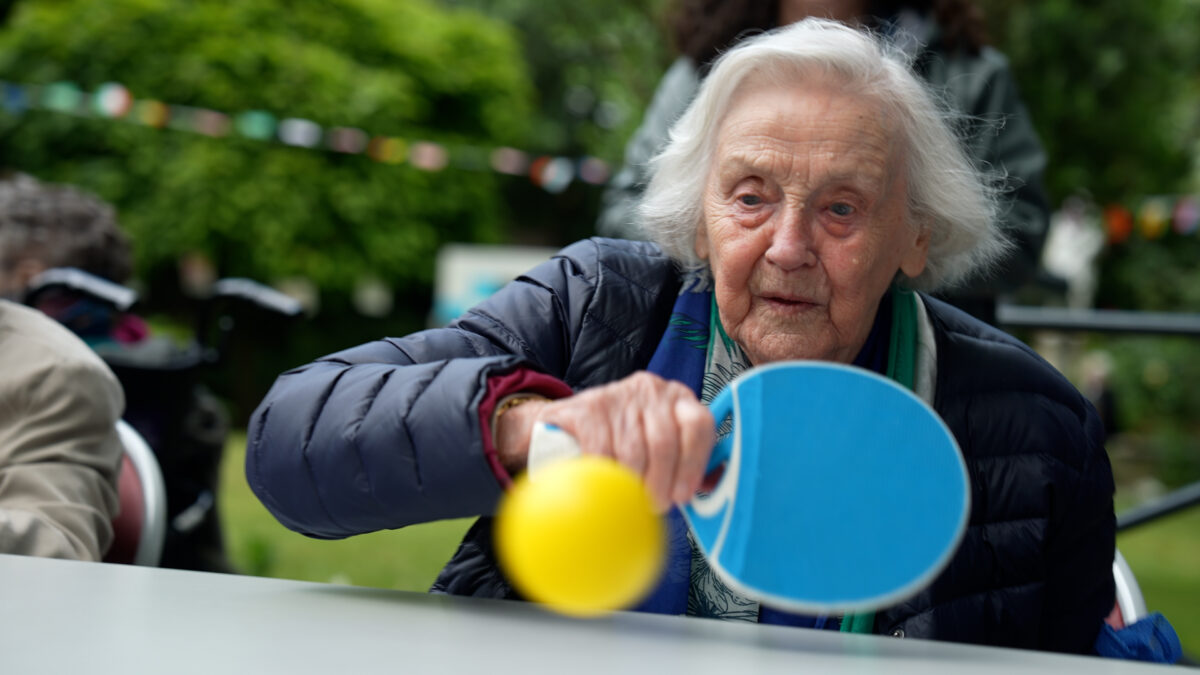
[[1165, 558], [407, 559], [1165, 555]]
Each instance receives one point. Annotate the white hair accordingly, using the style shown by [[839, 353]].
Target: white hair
[[947, 193]]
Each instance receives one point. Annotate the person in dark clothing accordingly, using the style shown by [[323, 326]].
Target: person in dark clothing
[[947, 43], [811, 192]]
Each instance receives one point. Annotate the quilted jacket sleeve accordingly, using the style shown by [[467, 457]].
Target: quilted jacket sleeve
[[387, 434]]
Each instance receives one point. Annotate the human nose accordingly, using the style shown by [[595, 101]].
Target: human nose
[[792, 242]]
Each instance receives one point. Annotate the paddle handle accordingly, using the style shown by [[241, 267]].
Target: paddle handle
[[722, 409], [547, 445]]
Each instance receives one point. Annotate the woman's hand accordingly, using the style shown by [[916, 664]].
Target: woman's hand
[[655, 427]]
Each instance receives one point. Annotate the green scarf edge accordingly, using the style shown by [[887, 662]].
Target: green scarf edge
[[901, 368]]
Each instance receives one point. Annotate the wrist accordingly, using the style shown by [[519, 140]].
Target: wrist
[[512, 427]]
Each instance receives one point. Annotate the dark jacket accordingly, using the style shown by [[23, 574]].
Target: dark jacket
[[387, 434]]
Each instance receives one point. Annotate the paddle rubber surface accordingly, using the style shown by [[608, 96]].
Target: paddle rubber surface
[[841, 490]]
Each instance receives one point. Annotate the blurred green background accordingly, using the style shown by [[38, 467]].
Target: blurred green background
[[1113, 88]]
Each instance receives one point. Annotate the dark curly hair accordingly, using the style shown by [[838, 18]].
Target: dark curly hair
[[60, 226], [702, 29], [962, 23]]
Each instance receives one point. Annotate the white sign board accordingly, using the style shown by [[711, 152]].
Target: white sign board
[[468, 273]]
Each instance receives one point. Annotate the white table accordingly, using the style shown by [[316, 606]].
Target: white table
[[76, 618]]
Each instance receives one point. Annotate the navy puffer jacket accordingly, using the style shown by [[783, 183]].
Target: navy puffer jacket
[[387, 434]]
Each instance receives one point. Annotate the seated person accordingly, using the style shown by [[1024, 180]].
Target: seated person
[[811, 194], [48, 225], [45, 225], [59, 450]]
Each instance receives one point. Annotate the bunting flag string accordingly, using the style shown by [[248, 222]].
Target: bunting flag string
[[114, 101], [1153, 218]]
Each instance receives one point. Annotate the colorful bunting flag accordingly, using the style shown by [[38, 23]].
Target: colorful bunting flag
[[1118, 222], [1157, 216], [113, 100], [1187, 215], [1153, 217]]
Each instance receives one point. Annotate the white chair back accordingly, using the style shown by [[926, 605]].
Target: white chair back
[[154, 496], [1129, 594]]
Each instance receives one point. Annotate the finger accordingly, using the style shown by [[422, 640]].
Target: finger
[[582, 417], [629, 438], [697, 436], [629, 398], [662, 451]]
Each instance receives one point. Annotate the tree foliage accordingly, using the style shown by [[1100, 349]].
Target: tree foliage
[[595, 64], [1112, 87], [1114, 90], [407, 69]]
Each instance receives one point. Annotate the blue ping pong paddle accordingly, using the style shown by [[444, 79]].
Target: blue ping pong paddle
[[839, 491]]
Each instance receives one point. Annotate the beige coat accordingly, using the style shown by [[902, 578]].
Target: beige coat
[[59, 450]]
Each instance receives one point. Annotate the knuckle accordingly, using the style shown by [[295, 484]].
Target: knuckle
[[677, 389]]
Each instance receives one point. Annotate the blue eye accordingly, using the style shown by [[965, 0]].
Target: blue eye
[[842, 209], [750, 200]]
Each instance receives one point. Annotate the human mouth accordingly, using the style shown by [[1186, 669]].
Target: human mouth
[[789, 303]]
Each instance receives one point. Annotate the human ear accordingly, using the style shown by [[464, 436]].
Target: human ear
[[913, 262], [701, 243]]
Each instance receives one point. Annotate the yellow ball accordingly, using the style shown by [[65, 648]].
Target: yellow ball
[[581, 537]]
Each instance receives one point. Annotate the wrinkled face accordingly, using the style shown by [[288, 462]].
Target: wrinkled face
[[805, 223]]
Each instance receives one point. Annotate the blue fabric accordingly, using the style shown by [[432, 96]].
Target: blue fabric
[[681, 356], [1151, 639]]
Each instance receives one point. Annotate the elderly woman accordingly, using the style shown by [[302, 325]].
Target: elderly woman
[[810, 187]]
